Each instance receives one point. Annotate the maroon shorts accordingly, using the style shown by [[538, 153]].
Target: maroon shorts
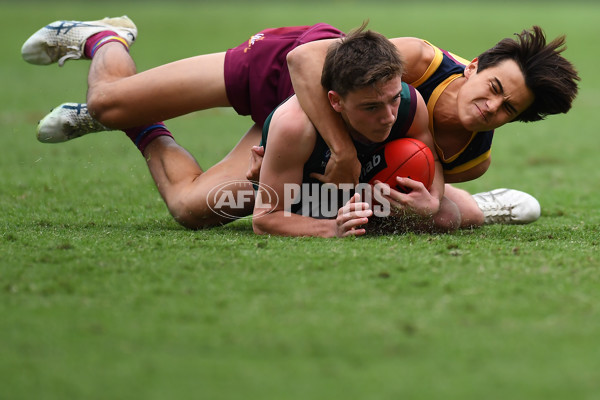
[[256, 74]]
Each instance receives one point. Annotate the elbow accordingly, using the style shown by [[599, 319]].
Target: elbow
[[300, 57], [267, 223], [259, 226], [293, 59]]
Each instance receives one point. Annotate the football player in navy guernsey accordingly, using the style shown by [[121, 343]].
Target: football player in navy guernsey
[[523, 79]]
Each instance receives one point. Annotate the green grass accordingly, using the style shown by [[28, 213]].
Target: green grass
[[103, 296]]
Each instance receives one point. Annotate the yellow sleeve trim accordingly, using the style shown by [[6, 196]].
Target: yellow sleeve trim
[[460, 59], [435, 63], [470, 164]]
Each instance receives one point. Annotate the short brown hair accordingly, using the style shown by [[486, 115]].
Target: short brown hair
[[363, 58], [551, 78]]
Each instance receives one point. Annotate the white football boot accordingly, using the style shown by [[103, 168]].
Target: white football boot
[[508, 206], [63, 40], [67, 121]]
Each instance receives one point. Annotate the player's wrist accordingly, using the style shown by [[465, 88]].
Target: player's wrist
[[342, 148], [344, 154]]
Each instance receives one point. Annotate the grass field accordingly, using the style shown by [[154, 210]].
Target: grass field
[[103, 296]]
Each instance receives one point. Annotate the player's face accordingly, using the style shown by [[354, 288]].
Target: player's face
[[370, 112], [492, 97]]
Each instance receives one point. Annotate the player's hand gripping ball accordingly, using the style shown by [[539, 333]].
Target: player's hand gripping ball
[[407, 158]]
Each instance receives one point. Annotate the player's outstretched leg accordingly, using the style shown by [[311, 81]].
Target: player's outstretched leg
[[63, 40], [67, 121], [191, 194], [117, 96], [507, 206]]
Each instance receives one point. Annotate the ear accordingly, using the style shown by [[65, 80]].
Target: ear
[[335, 100], [471, 69]]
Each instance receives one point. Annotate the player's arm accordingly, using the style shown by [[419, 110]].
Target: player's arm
[[419, 200], [290, 142], [305, 64], [469, 174], [420, 130], [417, 56]]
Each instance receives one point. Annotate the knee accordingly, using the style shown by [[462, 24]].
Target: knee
[[469, 212], [193, 215], [103, 107]]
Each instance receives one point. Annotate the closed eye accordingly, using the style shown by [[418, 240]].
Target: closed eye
[[370, 107], [497, 88]]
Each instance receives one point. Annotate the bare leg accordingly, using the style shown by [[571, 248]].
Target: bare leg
[[120, 98], [185, 187], [471, 215]]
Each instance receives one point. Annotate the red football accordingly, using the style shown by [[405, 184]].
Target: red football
[[407, 158]]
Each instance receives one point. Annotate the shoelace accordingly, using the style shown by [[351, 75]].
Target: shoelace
[[84, 123], [493, 210], [75, 53]]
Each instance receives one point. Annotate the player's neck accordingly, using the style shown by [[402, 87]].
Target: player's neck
[[445, 112], [359, 138]]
